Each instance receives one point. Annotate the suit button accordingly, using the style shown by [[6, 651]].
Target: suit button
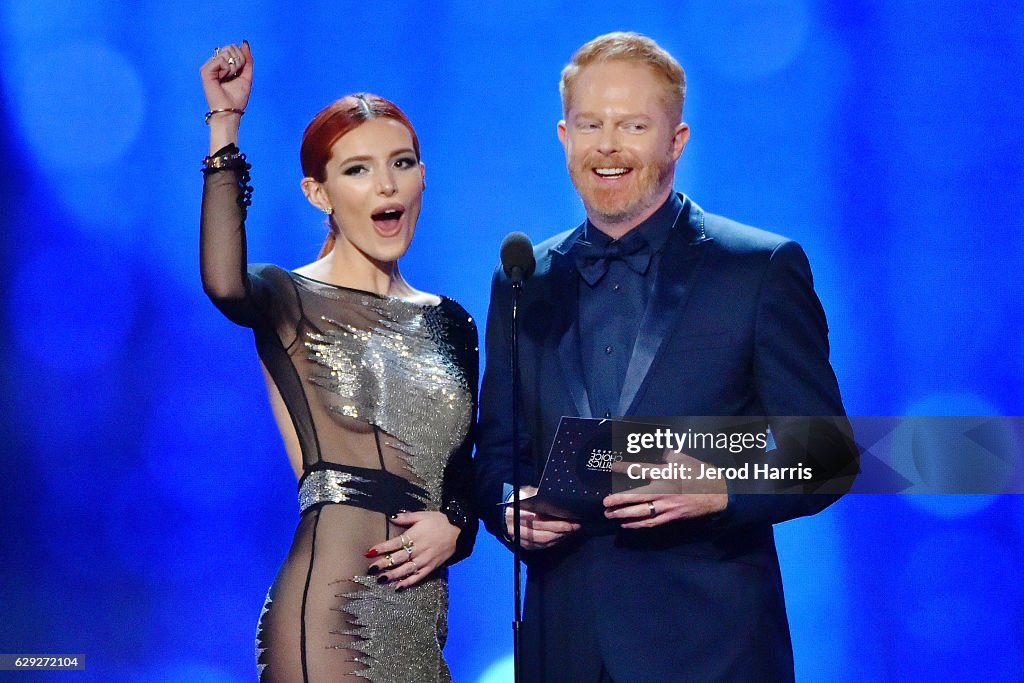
[[607, 413], [616, 287], [608, 350]]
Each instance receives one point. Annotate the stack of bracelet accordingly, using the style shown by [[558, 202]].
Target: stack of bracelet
[[230, 158]]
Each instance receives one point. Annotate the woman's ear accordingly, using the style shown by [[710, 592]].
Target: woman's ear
[[314, 192], [423, 175]]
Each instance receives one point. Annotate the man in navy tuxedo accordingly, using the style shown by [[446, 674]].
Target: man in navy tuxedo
[[652, 307]]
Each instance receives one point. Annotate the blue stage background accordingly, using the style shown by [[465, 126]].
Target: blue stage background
[[146, 499]]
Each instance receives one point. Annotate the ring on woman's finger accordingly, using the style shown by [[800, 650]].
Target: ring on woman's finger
[[415, 567], [654, 511], [216, 51], [407, 544], [391, 561], [231, 61]]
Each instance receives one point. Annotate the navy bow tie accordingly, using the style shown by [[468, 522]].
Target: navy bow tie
[[592, 260]]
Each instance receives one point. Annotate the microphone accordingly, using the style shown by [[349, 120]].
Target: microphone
[[517, 257]]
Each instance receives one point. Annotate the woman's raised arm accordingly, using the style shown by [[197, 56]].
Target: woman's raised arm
[[227, 82]]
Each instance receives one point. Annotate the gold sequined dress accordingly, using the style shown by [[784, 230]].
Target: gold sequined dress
[[381, 395]]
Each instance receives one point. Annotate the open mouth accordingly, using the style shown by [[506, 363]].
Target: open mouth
[[386, 221], [612, 172]]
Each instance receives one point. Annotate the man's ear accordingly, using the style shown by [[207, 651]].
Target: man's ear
[[679, 139], [561, 132]]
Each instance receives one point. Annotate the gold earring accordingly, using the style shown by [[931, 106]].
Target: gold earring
[[328, 211]]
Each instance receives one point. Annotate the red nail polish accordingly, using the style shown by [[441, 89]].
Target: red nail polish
[[371, 553]]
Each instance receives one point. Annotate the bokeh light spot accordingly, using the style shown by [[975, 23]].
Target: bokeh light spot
[[942, 456], [753, 40], [175, 671], [502, 671], [88, 116]]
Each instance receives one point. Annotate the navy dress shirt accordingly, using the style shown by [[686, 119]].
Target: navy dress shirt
[[613, 296]]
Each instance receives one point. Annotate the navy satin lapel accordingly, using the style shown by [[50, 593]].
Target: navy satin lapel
[[679, 265], [564, 276]]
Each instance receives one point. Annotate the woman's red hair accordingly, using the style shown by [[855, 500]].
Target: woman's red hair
[[334, 121]]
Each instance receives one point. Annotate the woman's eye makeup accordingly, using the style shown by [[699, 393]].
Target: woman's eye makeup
[[405, 162], [355, 169]]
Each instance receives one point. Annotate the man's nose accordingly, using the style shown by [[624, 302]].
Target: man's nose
[[608, 143]]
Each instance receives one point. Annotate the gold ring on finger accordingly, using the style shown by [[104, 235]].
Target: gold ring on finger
[[391, 561], [415, 567]]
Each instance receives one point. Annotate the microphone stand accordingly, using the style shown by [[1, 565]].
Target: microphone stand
[[518, 262], [517, 284]]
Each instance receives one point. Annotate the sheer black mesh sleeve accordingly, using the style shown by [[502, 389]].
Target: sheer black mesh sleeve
[[257, 296]]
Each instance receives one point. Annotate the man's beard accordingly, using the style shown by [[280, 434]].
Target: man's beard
[[621, 204]]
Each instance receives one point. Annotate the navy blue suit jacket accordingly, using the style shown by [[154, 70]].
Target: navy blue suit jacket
[[733, 328]]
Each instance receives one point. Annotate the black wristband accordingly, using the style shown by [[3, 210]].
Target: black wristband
[[230, 158]]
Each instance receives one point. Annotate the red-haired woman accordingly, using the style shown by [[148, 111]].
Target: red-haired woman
[[373, 386]]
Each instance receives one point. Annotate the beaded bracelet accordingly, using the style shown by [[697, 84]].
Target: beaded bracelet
[[456, 513], [226, 110]]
